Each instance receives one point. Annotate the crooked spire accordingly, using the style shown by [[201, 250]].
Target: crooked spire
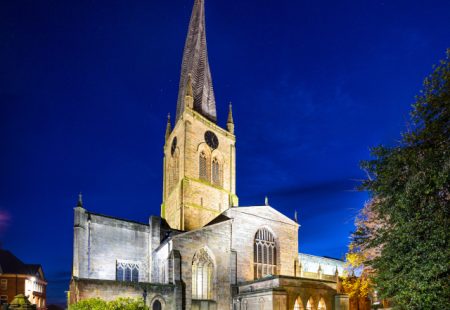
[[195, 64]]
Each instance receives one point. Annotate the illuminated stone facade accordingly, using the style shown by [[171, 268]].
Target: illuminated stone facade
[[205, 251], [192, 200]]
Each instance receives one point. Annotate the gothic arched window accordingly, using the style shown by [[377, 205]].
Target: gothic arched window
[[265, 254], [175, 169], [216, 172], [203, 166], [202, 276], [128, 272]]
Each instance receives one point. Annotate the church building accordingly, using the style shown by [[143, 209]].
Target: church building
[[204, 251]]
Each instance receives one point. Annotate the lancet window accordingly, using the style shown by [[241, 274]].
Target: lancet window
[[202, 276], [128, 272], [216, 172], [265, 254], [175, 169], [203, 166]]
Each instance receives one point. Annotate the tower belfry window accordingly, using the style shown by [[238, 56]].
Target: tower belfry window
[[203, 167], [216, 172], [175, 169], [265, 254]]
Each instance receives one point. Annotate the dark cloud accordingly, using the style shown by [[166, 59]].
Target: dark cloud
[[326, 187], [61, 274], [4, 220]]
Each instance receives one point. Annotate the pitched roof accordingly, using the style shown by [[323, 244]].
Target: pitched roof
[[195, 66], [9, 263], [218, 219]]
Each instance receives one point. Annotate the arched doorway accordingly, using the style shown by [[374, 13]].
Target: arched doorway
[[322, 305], [309, 305], [156, 305], [298, 304]]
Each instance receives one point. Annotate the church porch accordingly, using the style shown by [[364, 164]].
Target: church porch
[[290, 293]]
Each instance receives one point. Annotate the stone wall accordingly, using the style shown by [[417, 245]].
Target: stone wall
[[110, 290], [104, 240], [246, 222], [216, 240], [181, 204]]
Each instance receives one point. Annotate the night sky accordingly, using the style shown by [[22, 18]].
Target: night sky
[[85, 87]]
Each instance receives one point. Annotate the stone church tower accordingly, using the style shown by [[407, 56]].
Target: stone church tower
[[204, 252], [199, 155]]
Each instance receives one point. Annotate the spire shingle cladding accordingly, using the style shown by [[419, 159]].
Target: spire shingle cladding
[[195, 63]]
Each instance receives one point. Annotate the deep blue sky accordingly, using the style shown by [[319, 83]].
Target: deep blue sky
[[85, 87]]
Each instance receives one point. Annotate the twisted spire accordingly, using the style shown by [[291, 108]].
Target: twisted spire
[[195, 64]]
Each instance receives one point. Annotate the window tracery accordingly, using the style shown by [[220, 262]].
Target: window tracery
[[126, 271], [265, 254], [202, 275]]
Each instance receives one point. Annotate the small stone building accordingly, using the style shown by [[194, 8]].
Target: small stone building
[[204, 251]]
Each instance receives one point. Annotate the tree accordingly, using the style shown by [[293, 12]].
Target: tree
[[127, 304], [118, 304], [89, 304], [410, 182], [357, 281]]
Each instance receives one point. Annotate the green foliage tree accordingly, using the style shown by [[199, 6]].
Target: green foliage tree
[[89, 304], [118, 304], [410, 182], [127, 304]]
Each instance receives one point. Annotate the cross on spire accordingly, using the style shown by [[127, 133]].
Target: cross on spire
[[195, 68]]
